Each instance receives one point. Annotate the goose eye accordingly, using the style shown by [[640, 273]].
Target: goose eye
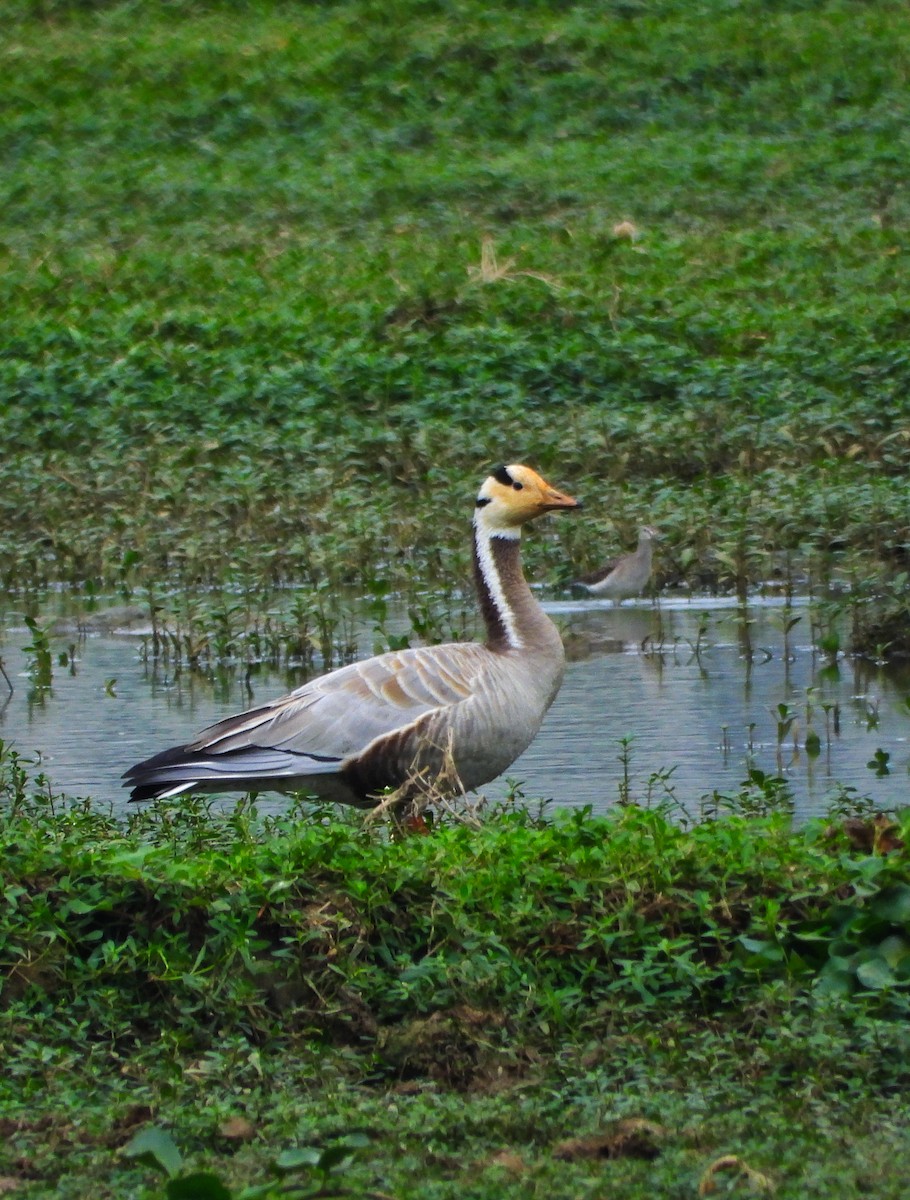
[[517, 486]]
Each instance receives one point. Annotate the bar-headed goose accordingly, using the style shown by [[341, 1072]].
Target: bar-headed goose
[[380, 723], [625, 576]]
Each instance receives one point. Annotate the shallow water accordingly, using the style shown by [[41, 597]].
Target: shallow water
[[697, 722]]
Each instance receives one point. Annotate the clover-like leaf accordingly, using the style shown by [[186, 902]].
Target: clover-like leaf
[[155, 1148]]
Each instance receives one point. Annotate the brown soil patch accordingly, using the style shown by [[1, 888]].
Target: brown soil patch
[[633, 1137]]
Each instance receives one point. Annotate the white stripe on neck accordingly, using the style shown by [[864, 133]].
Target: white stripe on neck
[[482, 540]]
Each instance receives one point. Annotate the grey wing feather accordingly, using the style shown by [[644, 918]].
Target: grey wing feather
[[341, 713]]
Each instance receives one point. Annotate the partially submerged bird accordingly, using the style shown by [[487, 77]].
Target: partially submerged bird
[[625, 576], [407, 717]]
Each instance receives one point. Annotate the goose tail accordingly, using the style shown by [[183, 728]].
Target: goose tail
[[255, 768]]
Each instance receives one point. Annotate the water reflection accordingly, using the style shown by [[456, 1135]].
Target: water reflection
[[703, 699], [679, 700]]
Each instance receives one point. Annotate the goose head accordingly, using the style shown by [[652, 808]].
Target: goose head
[[513, 495]]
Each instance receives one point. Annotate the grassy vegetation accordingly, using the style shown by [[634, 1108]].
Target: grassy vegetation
[[244, 289], [496, 1009], [278, 282]]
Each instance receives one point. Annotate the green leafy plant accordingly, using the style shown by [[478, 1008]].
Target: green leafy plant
[[40, 655], [155, 1147]]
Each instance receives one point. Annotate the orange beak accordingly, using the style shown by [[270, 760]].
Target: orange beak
[[554, 500]]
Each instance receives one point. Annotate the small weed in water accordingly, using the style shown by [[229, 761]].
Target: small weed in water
[[39, 654]]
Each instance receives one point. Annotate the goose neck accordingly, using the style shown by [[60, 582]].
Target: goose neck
[[514, 620]]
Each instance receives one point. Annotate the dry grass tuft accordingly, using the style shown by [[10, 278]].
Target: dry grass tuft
[[493, 271]]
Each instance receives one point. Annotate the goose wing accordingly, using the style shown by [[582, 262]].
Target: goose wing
[[342, 713]]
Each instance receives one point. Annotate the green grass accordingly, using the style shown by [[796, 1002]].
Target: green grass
[[807, 1117], [241, 287], [491, 988]]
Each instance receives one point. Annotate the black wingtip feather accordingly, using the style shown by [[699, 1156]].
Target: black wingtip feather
[[146, 791], [147, 783], [165, 758], [137, 774]]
